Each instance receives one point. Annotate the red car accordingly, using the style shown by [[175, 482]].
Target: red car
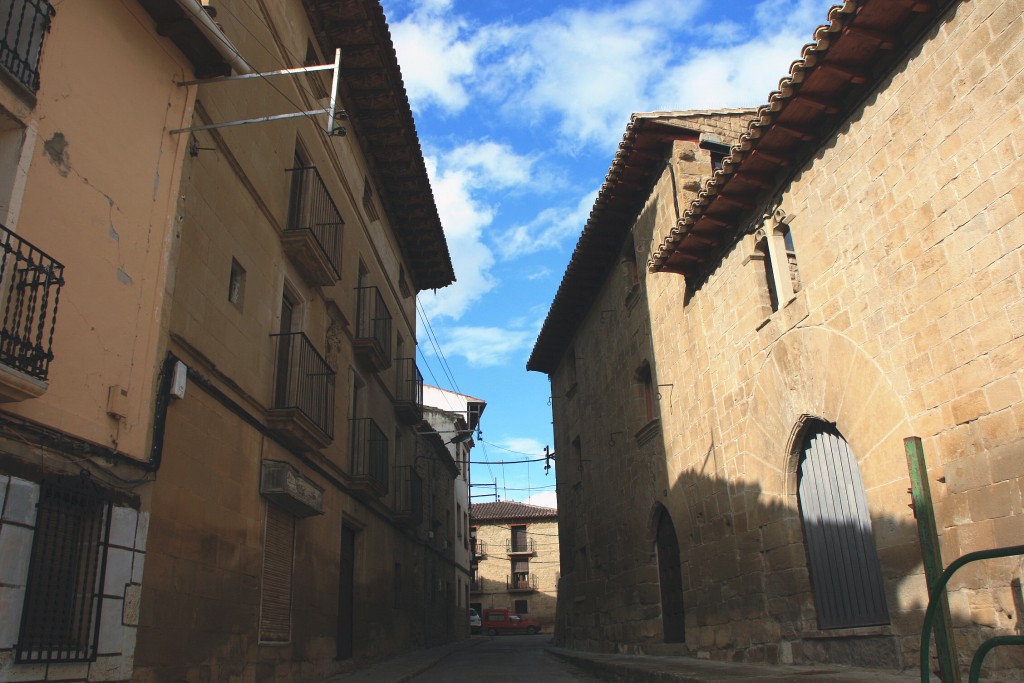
[[503, 621]]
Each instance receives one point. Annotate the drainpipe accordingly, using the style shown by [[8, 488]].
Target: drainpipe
[[204, 22]]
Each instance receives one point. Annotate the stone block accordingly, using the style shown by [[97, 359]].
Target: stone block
[[110, 668], [11, 601], [22, 498], [15, 552], [19, 673], [111, 628], [138, 564], [992, 502], [119, 571], [123, 522], [70, 671]]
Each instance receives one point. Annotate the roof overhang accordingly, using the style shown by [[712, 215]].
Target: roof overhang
[[378, 107], [850, 55]]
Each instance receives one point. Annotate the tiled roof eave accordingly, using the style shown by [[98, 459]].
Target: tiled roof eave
[[833, 71], [379, 113]]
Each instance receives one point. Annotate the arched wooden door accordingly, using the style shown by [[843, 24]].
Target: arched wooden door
[[845, 574], [670, 576]]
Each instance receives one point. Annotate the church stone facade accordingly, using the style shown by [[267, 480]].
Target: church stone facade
[[762, 307]]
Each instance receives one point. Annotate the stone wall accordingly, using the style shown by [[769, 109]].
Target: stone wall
[[908, 231]]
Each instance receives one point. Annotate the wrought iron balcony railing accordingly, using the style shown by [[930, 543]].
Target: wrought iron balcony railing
[[304, 386], [314, 232], [521, 582], [30, 283], [25, 23], [408, 390], [408, 495], [477, 585], [521, 546], [369, 456], [479, 550], [373, 328]]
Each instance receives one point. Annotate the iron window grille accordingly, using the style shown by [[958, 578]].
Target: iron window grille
[[63, 596], [311, 208], [305, 381], [26, 23], [369, 454], [373, 321], [30, 284]]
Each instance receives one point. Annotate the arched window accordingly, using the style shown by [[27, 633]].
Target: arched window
[[670, 576], [845, 574], [773, 245]]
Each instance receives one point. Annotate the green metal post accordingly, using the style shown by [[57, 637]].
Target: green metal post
[[931, 553]]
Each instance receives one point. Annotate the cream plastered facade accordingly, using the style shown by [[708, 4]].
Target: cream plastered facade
[[908, 226], [90, 175]]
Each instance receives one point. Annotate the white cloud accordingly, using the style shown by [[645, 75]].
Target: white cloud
[[435, 60], [522, 445], [461, 178], [547, 499], [484, 346], [547, 230], [539, 274]]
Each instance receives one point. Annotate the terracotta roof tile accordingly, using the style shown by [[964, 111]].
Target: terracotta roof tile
[[509, 510]]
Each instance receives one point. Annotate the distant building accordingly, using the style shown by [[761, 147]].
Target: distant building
[[761, 308], [455, 417], [515, 549]]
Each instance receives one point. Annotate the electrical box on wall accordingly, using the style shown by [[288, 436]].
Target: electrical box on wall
[[179, 378], [117, 401]]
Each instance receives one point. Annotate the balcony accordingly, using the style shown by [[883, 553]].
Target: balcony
[[521, 583], [312, 238], [25, 26], [369, 472], [408, 496], [408, 391], [477, 586], [303, 412], [521, 545], [373, 329], [30, 284], [479, 549]]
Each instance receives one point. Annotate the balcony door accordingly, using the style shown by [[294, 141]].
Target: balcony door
[[284, 352]]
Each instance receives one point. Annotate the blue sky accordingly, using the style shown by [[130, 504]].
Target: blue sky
[[520, 107]]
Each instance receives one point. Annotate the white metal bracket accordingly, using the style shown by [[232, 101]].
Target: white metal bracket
[[333, 113]]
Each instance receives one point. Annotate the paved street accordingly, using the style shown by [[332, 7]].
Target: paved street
[[505, 659]]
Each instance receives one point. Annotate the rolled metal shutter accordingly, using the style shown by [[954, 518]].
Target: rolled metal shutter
[[845, 574], [276, 589]]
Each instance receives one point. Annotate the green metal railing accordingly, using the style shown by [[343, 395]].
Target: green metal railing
[[934, 600]]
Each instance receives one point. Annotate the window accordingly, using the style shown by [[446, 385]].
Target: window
[[577, 454], [630, 267], [521, 573], [276, 583], [645, 387], [846, 577], [368, 206], [774, 246], [66, 573], [519, 539], [21, 42], [289, 306], [459, 520], [236, 284], [522, 607]]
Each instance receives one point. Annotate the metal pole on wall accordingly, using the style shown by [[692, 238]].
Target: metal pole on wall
[[931, 554]]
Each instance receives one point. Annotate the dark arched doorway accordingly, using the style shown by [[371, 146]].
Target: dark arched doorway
[[670, 576], [845, 574]]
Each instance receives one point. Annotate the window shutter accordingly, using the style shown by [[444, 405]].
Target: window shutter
[[276, 596], [520, 566]]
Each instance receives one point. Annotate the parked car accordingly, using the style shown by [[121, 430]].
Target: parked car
[[497, 621], [474, 621]]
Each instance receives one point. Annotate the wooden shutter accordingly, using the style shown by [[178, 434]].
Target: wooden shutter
[[845, 573], [278, 564]]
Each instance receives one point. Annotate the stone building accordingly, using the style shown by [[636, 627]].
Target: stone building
[[288, 537], [730, 420], [455, 417], [89, 181], [516, 559]]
